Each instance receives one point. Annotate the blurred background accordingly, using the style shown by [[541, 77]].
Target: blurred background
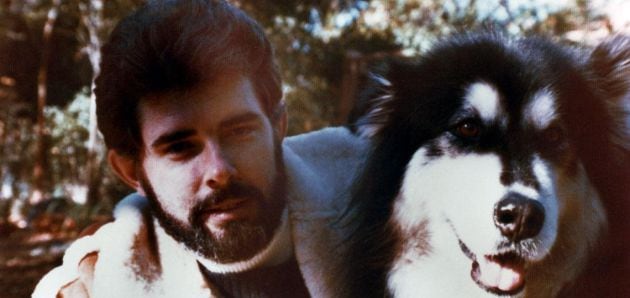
[[53, 178]]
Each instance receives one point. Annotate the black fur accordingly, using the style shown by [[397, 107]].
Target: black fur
[[420, 104]]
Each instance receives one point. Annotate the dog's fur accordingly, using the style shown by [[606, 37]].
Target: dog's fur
[[476, 128]]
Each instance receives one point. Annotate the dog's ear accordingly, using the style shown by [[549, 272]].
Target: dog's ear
[[609, 63], [374, 109], [378, 97]]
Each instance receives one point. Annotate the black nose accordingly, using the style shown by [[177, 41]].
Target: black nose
[[518, 217]]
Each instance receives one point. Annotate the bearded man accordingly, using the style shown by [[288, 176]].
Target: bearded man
[[189, 104]]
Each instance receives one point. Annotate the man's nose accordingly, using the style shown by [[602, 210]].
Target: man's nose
[[220, 169]]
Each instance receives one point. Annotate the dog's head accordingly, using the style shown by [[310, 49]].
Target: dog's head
[[492, 142]]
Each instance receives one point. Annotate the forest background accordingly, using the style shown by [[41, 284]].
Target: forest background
[[53, 177]]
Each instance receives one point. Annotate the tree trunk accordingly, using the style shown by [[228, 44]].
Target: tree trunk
[[41, 160], [91, 16]]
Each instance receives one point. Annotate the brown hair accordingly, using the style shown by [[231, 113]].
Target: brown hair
[[174, 45]]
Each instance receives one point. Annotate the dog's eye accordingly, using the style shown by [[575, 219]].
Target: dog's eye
[[467, 129]]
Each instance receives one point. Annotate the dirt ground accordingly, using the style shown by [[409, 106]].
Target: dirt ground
[[25, 256]]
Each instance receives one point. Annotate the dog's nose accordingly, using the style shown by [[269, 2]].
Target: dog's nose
[[518, 217]]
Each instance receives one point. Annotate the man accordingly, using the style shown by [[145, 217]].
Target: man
[[188, 102]]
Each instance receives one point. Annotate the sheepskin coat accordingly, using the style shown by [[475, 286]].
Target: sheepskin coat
[[133, 256]]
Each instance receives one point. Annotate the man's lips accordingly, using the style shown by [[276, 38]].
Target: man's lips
[[228, 210], [502, 274], [225, 205]]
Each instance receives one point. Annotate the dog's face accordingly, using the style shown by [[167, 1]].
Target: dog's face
[[494, 161], [500, 177]]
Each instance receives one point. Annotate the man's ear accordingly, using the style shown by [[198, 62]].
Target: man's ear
[[125, 168], [282, 122]]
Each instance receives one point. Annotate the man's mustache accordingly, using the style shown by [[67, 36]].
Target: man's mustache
[[235, 189]]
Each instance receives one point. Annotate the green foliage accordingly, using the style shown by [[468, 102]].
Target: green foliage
[[68, 132], [16, 150]]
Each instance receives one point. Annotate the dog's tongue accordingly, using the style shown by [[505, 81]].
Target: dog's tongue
[[495, 275]]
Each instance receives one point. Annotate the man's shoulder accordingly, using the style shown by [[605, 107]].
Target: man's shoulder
[[327, 143], [321, 167], [74, 277], [331, 153]]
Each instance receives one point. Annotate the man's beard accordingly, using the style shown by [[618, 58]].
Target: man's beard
[[239, 240]]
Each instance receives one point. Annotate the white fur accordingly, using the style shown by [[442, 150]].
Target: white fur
[[542, 110], [549, 198], [431, 192], [485, 99], [461, 196], [179, 268], [54, 280], [525, 190], [455, 196], [380, 80]]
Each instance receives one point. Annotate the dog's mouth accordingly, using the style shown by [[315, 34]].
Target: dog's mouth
[[501, 274]]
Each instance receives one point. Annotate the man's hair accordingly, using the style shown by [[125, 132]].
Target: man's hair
[[174, 45]]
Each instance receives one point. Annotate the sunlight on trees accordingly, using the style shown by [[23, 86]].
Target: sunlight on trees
[[324, 48]]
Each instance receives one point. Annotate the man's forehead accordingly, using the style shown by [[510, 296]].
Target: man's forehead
[[206, 106]]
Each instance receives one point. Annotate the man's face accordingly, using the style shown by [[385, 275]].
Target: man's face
[[212, 168]]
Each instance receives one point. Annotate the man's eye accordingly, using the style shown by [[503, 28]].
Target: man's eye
[[180, 148], [240, 131]]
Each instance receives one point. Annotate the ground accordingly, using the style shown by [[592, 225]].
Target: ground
[[27, 254]]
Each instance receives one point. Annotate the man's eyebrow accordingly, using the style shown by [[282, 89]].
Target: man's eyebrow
[[172, 137], [240, 118]]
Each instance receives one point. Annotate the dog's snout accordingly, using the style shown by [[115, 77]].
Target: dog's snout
[[518, 217]]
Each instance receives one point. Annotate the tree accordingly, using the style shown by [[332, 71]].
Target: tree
[[324, 49], [62, 40], [42, 80]]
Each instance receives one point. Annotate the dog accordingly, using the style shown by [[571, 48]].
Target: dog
[[494, 167]]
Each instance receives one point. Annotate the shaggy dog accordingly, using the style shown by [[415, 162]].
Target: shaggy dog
[[498, 169]]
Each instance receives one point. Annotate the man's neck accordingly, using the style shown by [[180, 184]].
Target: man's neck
[[279, 249]]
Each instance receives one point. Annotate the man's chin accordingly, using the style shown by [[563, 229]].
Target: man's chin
[[225, 241], [219, 239], [232, 242], [221, 232], [218, 233]]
